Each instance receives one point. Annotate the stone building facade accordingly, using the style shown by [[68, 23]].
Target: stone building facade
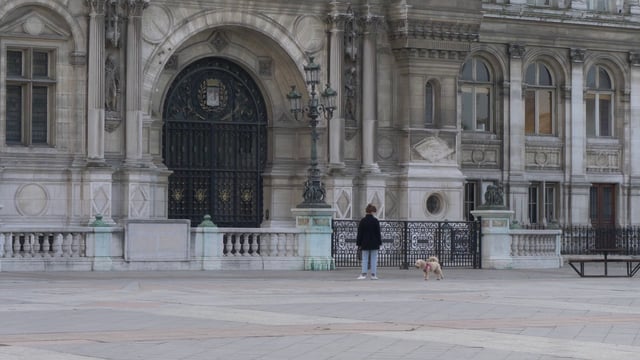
[[156, 109]]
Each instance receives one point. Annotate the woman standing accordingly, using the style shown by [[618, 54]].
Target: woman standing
[[369, 241]]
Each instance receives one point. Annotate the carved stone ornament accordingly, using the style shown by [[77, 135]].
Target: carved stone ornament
[[634, 58], [516, 51], [577, 55], [433, 149]]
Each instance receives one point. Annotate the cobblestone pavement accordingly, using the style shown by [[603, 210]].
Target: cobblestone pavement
[[472, 314]]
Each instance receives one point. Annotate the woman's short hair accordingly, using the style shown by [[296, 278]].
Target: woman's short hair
[[371, 208]]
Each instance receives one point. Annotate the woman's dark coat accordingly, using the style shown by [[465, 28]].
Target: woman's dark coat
[[369, 237]]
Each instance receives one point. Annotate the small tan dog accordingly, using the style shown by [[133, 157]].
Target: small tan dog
[[431, 265]]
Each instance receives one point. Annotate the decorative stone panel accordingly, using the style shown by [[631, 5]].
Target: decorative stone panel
[[31, 199], [481, 156], [432, 149], [543, 158], [343, 203], [603, 160]]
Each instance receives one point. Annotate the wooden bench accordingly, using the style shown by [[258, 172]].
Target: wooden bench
[[632, 262]]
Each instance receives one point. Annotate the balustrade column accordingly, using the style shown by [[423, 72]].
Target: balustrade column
[[134, 82], [95, 78]]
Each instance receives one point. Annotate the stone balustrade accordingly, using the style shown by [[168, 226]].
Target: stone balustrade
[[535, 242], [105, 249], [43, 244]]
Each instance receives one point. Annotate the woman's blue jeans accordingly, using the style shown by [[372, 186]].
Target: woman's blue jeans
[[370, 257]]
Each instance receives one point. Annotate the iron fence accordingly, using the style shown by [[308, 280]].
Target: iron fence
[[456, 244], [582, 240]]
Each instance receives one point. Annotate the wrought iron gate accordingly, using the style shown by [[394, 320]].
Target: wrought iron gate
[[215, 142], [456, 244]]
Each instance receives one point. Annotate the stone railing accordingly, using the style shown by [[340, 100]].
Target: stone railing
[[45, 243], [536, 248], [535, 242], [260, 242], [504, 247], [168, 245]]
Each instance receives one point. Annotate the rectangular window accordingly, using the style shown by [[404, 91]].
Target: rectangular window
[[533, 204], [599, 114], [14, 64], [538, 2], [550, 203], [467, 110], [39, 114], [470, 199], [543, 203], [605, 114], [482, 109], [30, 86], [538, 115], [544, 112], [598, 5], [476, 108], [591, 114], [428, 105], [13, 132], [530, 112]]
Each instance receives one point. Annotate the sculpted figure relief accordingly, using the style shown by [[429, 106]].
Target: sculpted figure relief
[[112, 82]]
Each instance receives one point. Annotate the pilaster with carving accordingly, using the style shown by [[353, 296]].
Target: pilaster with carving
[[113, 64]]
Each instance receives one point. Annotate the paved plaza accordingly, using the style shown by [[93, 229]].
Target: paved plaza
[[472, 314]]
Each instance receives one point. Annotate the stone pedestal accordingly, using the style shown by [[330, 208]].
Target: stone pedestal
[[496, 240], [208, 244], [99, 245], [315, 240]]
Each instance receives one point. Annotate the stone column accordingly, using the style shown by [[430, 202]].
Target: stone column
[[369, 92], [133, 119], [634, 140], [336, 21], [576, 134], [95, 77], [576, 142], [517, 139]]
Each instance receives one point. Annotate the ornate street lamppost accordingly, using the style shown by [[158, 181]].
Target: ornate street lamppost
[[314, 192]]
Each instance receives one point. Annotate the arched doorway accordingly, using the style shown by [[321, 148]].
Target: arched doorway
[[215, 142]]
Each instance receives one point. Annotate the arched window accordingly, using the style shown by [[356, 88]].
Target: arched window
[[538, 100], [476, 96], [599, 102]]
